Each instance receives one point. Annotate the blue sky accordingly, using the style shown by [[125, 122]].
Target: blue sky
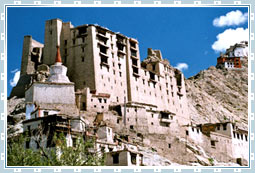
[[184, 35]]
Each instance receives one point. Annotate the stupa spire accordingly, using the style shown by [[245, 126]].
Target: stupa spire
[[58, 56]]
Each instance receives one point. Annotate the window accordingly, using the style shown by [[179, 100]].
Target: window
[[103, 49], [120, 74], [213, 144], [131, 127], [234, 134], [83, 39], [100, 100], [133, 53], [73, 41], [133, 158], [119, 66], [187, 132], [153, 67], [102, 107], [246, 138], [224, 126], [238, 137], [82, 59], [105, 100], [133, 44], [143, 81], [65, 42], [152, 123], [82, 49], [118, 121], [218, 127], [169, 145], [151, 115]]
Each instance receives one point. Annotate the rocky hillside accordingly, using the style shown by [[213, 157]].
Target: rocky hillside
[[217, 95], [16, 114]]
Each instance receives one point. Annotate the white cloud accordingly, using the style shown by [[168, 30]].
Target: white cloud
[[13, 71], [14, 81], [182, 66], [230, 37], [232, 18]]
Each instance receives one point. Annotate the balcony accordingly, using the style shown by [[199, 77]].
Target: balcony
[[104, 64], [102, 43], [103, 54], [133, 48], [134, 57], [166, 117], [121, 52], [179, 93], [135, 71], [102, 36], [164, 120]]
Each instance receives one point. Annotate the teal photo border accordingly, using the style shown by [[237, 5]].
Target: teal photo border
[[4, 4]]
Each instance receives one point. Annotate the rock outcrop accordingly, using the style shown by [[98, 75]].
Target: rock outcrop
[[15, 115], [217, 95]]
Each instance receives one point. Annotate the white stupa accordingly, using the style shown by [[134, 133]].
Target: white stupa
[[58, 71], [57, 93]]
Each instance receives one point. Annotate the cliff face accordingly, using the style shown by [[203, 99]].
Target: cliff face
[[217, 95]]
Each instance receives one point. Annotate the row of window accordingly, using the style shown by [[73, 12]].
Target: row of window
[[240, 136]]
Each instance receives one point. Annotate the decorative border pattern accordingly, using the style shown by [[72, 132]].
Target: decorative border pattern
[[132, 3]]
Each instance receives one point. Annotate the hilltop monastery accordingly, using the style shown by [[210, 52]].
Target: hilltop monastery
[[89, 70]]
